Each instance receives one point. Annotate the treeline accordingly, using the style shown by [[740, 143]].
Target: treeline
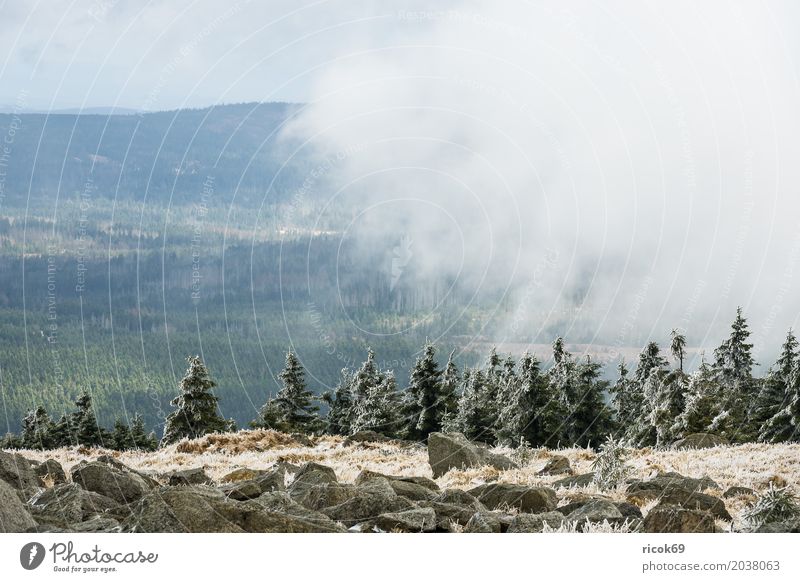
[[80, 428], [512, 402]]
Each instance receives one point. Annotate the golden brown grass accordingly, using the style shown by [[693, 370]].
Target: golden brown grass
[[749, 465]]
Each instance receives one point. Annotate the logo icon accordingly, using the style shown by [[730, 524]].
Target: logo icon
[[31, 555]]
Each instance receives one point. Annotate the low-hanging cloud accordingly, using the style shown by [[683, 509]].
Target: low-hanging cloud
[[618, 169]]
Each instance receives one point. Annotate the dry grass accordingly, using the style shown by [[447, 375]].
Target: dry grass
[[750, 465]]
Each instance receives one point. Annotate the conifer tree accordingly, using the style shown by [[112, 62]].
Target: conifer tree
[[775, 391], [340, 404], [121, 439], [423, 408], [84, 423], [61, 433], [678, 347], [591, 418], [142, 440], [470, 419], [562, 377], [668, 402], [292, 410], [622, 396], [379, 410], [733, 366], [449, 395], [195, 411], [784, 426], [36, 430], [702, 392], [647, 382], [530, 413]]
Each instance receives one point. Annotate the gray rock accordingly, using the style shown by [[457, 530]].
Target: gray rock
[[676, 495], [280, 502], [671, 479], [50, 470], [449, 513], [14, 517], [97, 524], [205, 509], [523, 498], [421, 519], [483, 522], [596, 510], [789, 526], [556, 465], [368, 502], [628, 510], [699, 440], [107, 479], [737, 492], [414, 488], [16, 470], [454, 451], [196, 476], [460, 497], [69, 503], [534, 523], [582, 480], [272, 480], [674, 519], [242, 490], [151, 481]]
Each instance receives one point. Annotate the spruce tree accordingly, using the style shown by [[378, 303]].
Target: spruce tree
[[340, 404], [470, 419], [562, 377], [423, 408], [775, 391], [449, 394], [702, 392], [647, 382], [669, 402], [36, 430], [530, 413], [142, 440], [195, 411], [121, 439], [784, 426], [623, 396], [292, 410], [84, 423], [61, 433], [379, 411], [591, 418], [733, 366], [678, 347]]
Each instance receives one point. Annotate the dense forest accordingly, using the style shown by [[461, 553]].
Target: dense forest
[[503, 401]]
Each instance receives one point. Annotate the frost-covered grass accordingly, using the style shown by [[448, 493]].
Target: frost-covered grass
[[750, 465]]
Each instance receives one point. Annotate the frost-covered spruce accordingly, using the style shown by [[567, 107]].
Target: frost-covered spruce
[[195, 411], [733, 364], [293, 408], [771, 410], [647, 382], [609, 467], [340, 404], [423, 406], [379, 409], [529, 413]]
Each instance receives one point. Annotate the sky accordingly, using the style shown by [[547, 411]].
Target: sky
[[625, 167]]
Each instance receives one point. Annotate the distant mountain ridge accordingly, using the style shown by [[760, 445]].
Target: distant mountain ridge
[[165, 156]]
